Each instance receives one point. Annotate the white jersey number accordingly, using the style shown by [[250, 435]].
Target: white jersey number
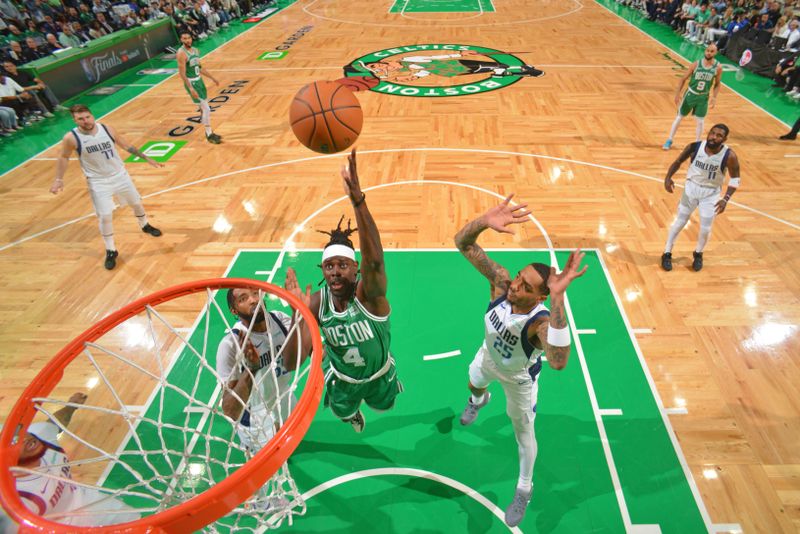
[[353, 357]]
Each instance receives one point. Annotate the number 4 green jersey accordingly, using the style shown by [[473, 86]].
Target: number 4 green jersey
[[356, 341]]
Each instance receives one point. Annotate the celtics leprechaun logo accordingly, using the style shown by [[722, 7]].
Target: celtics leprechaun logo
[[436, 70]]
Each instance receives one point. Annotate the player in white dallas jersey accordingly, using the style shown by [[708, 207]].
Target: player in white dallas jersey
[[519, 330], [56, 498], [105, 173], [239, 368], [710, 159]]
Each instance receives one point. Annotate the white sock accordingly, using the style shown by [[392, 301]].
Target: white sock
[[477, 400], [674, 129], [699, 129], [526, 444], [107, 231], [205, 116], [141, 217]]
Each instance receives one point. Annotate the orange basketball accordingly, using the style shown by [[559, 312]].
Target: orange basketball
[[326, 117]]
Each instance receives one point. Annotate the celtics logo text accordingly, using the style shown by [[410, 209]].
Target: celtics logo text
[[436, 70]]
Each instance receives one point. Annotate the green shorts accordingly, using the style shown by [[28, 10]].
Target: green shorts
[[696, 104], [200, 87], [345, 398]]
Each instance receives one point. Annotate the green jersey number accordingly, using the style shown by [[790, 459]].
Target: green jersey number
[[353, 357]]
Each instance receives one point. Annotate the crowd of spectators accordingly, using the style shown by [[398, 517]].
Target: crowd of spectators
[[33, 29], [776, 23]]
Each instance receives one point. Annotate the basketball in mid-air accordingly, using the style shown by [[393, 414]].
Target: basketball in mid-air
[[326, 117]]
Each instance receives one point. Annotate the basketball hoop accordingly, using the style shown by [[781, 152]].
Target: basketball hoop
[[223, 481]]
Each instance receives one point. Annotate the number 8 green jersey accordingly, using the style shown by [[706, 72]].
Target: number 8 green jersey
[[356, 342]]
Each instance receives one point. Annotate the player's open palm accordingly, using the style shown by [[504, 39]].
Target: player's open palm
[[502, 216], [352, 187], [293, 286], [558, 282]]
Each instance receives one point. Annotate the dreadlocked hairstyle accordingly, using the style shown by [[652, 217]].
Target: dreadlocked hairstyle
[[340, 236]]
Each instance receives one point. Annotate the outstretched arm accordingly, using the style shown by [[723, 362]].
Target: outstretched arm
[[373, 273], [299, 342], [733, 183], [683, 81], [717, 84], [497, 218], [64, 415], [553, 334], [123, 143], [669, 185], [68, 146]]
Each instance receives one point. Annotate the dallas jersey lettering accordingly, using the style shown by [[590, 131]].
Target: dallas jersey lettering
[[278, 324], [708, 170], [356, 342], [50, 497], [700, 82], [506, 338], [98, 153]]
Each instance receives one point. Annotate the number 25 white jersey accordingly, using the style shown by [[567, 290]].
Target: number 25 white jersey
[[507, 336]]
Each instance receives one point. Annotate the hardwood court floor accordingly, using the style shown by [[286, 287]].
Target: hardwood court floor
[[580, 144]]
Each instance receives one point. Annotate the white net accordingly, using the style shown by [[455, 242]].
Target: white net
[[168, 415]]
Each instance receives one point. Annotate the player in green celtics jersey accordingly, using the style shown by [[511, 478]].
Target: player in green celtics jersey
[[191, 73], [353, 313], [698, 97]]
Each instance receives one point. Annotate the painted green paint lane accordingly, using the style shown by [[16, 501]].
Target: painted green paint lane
[[442, 6], [39, 136], [438, 302], [757, 89]]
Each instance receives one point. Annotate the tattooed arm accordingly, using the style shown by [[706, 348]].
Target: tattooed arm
[[121, 142], [557, 283], [497, 218]]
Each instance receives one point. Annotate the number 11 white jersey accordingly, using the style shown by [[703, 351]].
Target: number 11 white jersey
[[98, 153]]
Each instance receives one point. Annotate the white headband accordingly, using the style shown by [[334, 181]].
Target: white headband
[[338, 250]]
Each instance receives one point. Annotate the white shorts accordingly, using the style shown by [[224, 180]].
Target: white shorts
[[703, 198], [103, 191], [263, 421], [520, 388]]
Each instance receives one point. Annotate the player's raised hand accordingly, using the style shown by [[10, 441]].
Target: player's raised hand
[[558, 282], [503, 215], [292, 286], [77, 398], [352, 187]]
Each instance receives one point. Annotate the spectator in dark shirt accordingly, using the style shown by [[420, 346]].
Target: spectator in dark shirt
[[45, 100], [105, 24], [764, 23], [81, 32], [32, 51], [52, 44]]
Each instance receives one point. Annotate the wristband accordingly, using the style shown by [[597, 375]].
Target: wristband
[[558, 337], [360, 201]]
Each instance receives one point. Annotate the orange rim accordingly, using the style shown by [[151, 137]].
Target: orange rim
[[218, 500]]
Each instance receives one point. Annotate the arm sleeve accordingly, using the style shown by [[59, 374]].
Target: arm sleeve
[[226, 359]]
